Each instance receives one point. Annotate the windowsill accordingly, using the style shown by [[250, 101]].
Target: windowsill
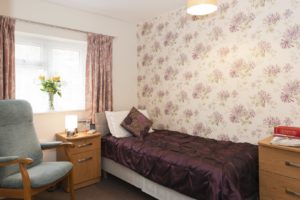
[[57, 112]]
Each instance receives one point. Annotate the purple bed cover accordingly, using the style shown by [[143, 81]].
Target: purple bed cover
[[201, 168]]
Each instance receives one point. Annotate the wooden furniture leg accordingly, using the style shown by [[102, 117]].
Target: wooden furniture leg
[[104, 174], [71, 185], [26, 181]]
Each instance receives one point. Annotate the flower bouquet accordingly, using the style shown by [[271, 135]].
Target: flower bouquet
[[52, 86]]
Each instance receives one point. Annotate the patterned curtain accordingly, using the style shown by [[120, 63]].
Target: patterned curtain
[[7, 58], [98, 74]]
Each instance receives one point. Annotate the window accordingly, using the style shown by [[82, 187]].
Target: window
[[35, 56]]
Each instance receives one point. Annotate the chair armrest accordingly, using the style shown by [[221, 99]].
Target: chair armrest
[[50, 145], [56, 144], [11, 160], [8, 159], [22, 162]]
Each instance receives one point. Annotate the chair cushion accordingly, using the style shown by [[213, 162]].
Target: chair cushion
[[40, 175]]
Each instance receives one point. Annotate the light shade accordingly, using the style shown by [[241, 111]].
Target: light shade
[[71, 122], [201, 7]]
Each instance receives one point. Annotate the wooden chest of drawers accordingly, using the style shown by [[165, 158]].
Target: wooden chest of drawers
[[279, 171], [85, 157]]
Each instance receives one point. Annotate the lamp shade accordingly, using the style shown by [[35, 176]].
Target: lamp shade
[[201, 7], [71, 122]]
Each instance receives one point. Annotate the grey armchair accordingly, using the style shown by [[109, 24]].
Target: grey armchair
[[22, 170]]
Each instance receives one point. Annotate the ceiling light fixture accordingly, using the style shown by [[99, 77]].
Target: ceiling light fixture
[[201, 7]]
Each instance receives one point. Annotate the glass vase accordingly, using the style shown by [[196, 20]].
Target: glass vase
[[51, 99]]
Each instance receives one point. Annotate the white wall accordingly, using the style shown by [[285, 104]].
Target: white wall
[[48, 124], [124, 52]]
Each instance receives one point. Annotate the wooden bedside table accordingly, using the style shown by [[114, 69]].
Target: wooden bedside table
[[279, 171], [85, 157]]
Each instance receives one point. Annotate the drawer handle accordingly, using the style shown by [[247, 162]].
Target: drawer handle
[[84, 145], [292, 193], [85, 159], [292, 164]]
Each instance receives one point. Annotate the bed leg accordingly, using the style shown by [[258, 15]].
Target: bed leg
[[104, 173]]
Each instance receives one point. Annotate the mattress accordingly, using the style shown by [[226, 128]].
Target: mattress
[[197, 167]]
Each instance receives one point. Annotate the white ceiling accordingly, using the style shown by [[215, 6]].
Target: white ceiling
[[132, 11]]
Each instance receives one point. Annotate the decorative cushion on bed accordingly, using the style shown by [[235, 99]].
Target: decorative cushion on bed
[[114, 120], [137, 123]]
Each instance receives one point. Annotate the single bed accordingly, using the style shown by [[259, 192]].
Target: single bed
[[172, 165]]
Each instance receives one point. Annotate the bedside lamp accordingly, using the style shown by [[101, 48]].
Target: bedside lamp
[[71, 124]]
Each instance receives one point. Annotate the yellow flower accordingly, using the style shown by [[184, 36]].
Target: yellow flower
[[56, 78], [50, 85], [42, 78]]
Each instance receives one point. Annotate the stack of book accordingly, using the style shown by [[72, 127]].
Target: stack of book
[[286, 136]]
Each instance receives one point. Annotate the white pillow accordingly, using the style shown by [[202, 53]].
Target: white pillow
[[115, 118]]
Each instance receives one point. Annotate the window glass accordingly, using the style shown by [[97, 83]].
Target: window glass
[[28, 53], [39, 56]]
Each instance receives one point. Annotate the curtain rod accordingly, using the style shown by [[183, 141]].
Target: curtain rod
[[54, 26]]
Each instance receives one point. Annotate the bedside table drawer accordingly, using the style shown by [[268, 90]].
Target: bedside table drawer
[[86, 166], [273, 186], [85, 156], [85, 145], [282, 162]]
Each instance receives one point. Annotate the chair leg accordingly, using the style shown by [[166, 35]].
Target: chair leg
[[26, 181], [71, 186], [27, 194]]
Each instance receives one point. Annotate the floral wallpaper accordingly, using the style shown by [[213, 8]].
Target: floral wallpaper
[[232, 75]]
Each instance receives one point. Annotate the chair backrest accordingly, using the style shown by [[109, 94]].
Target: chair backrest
[[17, 134]]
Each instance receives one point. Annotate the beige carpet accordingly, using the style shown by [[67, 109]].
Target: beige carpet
[[111, 188]]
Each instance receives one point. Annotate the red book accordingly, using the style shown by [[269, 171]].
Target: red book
[[287, 131]]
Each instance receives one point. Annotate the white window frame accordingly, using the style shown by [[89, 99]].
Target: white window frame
[[47, 44]]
